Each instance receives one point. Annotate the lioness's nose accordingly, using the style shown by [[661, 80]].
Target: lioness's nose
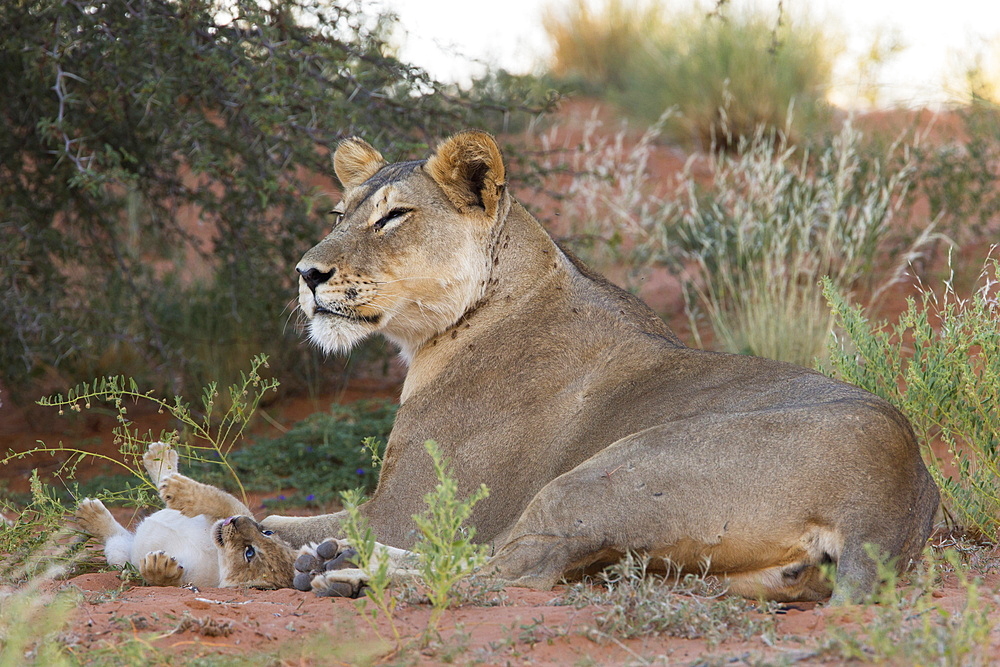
[[314, 276]]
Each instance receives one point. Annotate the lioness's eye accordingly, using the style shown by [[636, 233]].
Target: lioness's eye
[[249, 553], [389, 217], [338, 217]]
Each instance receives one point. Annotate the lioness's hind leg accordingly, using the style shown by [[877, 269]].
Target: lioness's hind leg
[[857, 574], [160, 461], [801, 581], [559, 532], [159, 568]]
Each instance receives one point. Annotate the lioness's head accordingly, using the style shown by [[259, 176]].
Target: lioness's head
[[411, 249], [251, 556]]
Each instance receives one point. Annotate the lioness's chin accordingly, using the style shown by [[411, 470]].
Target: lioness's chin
[[336, 334]]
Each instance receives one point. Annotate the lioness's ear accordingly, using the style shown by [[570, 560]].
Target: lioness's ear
[[469, 168], [355, 161]]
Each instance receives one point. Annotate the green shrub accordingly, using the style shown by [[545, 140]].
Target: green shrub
[[940, 364], [35, 549], [908, 626], [597, 47], [209, 434], [445, 551], [636, 603], [959, 178], [751, 245], [442, 557], [152, 208], [378, 600], [726, 73], [321, 455], [775, 220], [35, 541], [32, 621]]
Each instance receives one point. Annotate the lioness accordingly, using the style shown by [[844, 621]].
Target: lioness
[[596, 430]]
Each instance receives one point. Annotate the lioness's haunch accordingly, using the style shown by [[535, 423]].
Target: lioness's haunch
[[596, 430]]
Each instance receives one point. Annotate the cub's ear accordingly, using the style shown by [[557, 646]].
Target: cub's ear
[[355, 161], [469, 168]]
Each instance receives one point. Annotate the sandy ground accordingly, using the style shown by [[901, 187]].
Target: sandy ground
[[288, 627]]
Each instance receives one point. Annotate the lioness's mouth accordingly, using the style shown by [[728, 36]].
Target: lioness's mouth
[[351, 315]]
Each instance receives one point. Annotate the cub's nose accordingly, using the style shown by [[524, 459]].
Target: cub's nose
[[313, 276]]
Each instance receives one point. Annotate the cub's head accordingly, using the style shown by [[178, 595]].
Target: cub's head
[[251, 556], [412, 246]]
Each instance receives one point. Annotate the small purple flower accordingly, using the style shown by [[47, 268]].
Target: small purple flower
[[310, 497], [281, 497], [360, 471]]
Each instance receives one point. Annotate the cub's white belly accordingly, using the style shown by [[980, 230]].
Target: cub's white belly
[[187, 539]]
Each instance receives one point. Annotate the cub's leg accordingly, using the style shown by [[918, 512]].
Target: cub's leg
[[183, 494], [94, 518], [192, 498], [158, 568], [160, 461]]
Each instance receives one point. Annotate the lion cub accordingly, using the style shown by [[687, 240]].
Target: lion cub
[[205, 537]]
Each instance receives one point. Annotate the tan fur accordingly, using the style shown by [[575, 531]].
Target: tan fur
[[355, 162], [272, 563], [595, 429], [470, 170], [205, 536]]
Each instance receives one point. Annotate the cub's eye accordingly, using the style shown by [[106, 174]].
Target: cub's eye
[[249, 553], [267, 532], [389, 217]]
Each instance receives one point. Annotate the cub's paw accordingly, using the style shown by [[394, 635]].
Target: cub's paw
[[182, 494], [95, 519], [329, 556], [160, 461], [158, 568]]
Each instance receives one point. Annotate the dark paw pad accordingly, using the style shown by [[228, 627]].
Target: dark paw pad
[[328, 549], [328, 557], [341, 560], [302, 581], [337, 589]]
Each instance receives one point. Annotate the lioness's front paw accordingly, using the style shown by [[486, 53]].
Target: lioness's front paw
[[328, 556], [181, 493], [158, 568], [347, 583], [160, 461], [95, 519]]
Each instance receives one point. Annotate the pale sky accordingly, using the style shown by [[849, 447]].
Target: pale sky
[[510, 34]]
